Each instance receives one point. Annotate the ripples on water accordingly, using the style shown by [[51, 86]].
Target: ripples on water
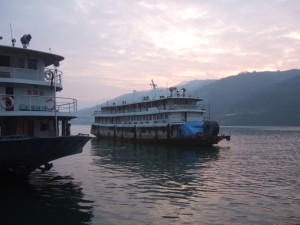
[[254, 179]]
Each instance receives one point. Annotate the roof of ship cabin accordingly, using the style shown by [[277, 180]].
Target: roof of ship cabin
[[48, 58]]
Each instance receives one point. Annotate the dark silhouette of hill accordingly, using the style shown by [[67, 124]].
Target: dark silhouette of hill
[[230, 96], [278, 105]]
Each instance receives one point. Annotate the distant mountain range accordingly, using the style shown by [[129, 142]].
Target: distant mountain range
[[248, 99]]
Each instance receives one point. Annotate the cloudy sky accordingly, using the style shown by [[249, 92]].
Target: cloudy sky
[[112, 47]]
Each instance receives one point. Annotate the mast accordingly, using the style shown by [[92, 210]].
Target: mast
[[13, 41], [153, 85], [56, 64]]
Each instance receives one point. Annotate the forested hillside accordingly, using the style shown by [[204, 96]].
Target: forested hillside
[[278, 105], [254, 98]]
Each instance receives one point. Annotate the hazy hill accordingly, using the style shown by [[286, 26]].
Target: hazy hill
[[277, 105], [223, 94], [256, 98], [193, 85], [190, 86], [85, 116]]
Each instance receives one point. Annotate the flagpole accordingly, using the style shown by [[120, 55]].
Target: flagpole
[[55, 113], [56, 64]]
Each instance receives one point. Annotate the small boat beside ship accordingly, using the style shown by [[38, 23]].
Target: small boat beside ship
[[31, 113], [174, 119]]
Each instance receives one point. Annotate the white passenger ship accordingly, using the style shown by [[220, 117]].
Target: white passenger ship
[[30, 111], [174, 119]]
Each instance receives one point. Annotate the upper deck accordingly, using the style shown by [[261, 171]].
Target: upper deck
[[26, 66], [28, 82], [154, 106]]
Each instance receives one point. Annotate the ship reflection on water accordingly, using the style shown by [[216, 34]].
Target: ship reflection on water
[[44, 199], [169, 171], [150, 158]]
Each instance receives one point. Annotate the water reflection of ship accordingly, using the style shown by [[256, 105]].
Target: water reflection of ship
[[146, 159], [44, 199], [154, 172]]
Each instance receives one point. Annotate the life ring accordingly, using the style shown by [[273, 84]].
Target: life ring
[[50, 103], [48, 74], [7, 102]]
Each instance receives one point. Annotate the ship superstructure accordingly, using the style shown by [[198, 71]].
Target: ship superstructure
[[176, 118]]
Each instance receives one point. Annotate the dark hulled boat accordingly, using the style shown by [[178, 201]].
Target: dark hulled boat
[[175, 118], [31, 113]]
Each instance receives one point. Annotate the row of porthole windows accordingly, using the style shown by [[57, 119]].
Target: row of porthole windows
[[145, 130], [160, 116], [179, 103]]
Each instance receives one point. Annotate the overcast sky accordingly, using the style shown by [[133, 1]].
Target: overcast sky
[[112, 47]]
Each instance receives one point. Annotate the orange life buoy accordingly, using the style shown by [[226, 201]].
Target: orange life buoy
[[50, 103], [7, 102]]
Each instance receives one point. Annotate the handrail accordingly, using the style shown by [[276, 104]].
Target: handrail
[[29, 74], [38, 103], [155, 109]]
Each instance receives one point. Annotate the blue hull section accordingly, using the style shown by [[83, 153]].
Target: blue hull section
[[198, 128]]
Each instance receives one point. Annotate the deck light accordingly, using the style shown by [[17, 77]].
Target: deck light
[[25, 39]]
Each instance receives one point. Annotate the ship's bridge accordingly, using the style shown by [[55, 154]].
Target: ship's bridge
[[25, 66]]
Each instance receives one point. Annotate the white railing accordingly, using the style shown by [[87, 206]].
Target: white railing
[[155, 109], [28, 74], [37, 103]]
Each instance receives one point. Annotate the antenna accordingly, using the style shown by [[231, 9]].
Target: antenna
[[13, 41], [152, 84]]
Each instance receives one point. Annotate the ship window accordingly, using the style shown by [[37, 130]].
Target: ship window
[[21, 63], [4, 60], [32, 64]]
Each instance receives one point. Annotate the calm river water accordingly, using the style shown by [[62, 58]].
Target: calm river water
[[253, 179]]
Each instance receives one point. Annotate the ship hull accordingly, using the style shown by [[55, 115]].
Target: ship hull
[[21, 155], [194, 133], [191, 141]]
